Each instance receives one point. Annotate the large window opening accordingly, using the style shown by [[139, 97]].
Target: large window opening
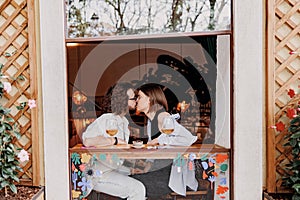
[[188, 79], [192, 69]]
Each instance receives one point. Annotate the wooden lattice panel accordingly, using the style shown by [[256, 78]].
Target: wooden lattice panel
[[283, 75], [14, 54]]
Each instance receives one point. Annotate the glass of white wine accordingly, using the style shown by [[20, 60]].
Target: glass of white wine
[[111, 127], [168, 127]]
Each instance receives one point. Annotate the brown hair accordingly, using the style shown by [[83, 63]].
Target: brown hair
[[119, 98], [156, 95]]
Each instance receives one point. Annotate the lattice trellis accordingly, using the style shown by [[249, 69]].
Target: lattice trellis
[[15, 55], [283, 74]]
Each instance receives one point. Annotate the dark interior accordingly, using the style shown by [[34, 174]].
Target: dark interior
[[184, 77]]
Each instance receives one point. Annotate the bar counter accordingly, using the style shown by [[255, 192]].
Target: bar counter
[[151, 152]]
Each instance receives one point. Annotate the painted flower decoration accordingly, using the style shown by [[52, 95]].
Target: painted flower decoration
[[82, 167], [7, 87], [215, 174], [85, 158], [204, 165], [223, 181], [192, 156], [31, 103], [84, 184], [75, 194], [222, 189], [23, 155], [211, 178], [211, 160], [221, 157]]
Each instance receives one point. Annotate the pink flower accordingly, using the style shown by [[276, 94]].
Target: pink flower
[[31, 103], [7, 86], [23, 155], [294, 52]]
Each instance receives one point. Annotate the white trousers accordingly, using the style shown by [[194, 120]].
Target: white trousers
[[120, 185]]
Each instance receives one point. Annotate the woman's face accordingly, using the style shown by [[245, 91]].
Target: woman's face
[[143, 102], [131, 99]]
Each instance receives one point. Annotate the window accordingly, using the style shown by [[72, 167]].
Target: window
[[96, 18], [191, 64]]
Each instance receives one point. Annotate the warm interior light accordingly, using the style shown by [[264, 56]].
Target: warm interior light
[[182, 106], [79, 98], [72, 44]]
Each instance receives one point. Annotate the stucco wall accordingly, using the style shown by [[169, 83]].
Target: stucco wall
[[248, 99]]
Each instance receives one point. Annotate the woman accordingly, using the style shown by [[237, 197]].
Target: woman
[[113, 178], [152, 102]]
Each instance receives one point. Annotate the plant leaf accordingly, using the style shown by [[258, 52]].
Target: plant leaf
[[296, 135], [13, 188]]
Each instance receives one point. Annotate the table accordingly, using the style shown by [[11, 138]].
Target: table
[[211, 156]]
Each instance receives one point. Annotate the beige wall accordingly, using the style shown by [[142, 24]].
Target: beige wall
[[248, 99], [53, 63]]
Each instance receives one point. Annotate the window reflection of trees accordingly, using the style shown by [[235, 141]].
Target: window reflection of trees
[[93, 18]]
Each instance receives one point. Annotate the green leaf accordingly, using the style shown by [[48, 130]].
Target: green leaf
[[295, 151], [296, 187], [17, 134], [4, 183], [9, 119], [10, 158], [6, 54], [296, 135], [294, 179], [2, 128], [13, 188], [6, 111], [6, 139], [7, 126], [15, 178], [293, 142], [21, 77], [296, 163]]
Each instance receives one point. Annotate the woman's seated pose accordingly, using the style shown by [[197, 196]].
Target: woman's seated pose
[[155, 175], [112, 177]]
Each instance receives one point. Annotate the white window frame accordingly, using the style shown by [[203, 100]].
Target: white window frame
[[248, 98]]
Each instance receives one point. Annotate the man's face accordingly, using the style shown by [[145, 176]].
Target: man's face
[[131, 100]]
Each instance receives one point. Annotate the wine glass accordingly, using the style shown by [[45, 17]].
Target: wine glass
[[168, 127], [111, 127]]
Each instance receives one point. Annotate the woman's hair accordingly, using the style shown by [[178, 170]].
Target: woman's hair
[[119, 98], [156, 95]]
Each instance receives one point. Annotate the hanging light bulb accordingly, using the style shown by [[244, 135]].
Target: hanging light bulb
[[79, 98]]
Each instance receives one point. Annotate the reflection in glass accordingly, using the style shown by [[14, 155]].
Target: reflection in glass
[[94, 18]]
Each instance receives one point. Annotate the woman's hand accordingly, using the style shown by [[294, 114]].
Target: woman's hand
[[120, 141], [153, 142], [136, 171]]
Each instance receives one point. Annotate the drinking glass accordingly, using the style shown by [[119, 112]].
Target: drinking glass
[[111, 127], [168, 127]]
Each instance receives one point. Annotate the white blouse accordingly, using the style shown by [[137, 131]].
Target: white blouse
[[97, 128]]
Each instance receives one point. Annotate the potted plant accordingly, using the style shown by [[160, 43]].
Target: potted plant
[[10, 155], [293, 178]]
